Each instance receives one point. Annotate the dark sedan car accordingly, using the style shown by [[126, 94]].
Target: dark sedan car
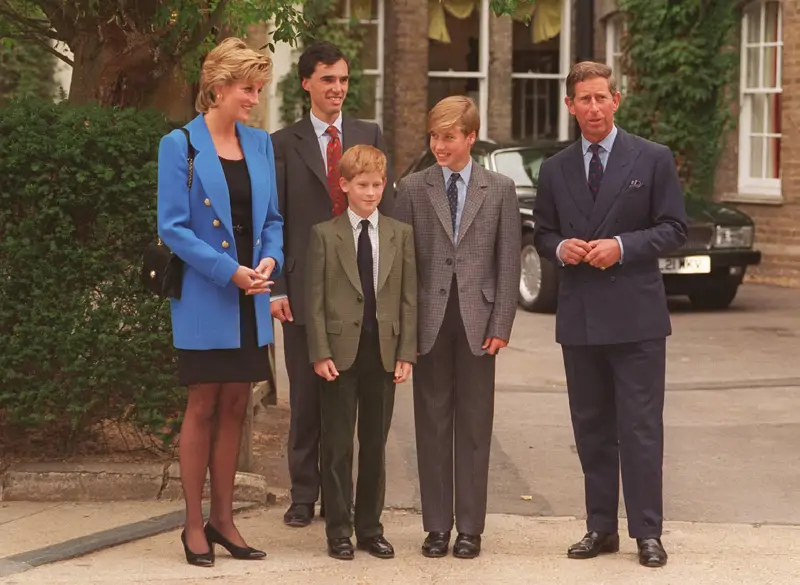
[[708, 268]]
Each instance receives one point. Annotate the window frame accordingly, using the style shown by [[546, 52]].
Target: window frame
[[482, 74], [750, 189], [564, 64], [379, 72], [615, 28]]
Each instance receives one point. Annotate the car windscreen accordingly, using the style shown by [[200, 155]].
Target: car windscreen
[[520, 165]]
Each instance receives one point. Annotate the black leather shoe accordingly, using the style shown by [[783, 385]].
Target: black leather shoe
[[242, 553], [340, 549], [651, 552], [377, 546], [299, 515], [467, 546], [593, 544], [436, 544], [198, 560]]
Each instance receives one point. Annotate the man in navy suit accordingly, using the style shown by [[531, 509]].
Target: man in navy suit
[[606, 208]]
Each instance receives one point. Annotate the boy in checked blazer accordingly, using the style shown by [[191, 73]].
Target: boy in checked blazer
[[467, 232], [361, 300]]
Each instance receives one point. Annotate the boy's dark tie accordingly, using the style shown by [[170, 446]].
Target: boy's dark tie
[[365, 269], [595, 170], [452, 198]]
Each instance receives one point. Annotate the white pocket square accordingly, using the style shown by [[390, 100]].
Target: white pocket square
[[635, 184]]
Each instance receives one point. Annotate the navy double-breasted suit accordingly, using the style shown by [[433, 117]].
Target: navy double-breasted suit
[[613, 323]]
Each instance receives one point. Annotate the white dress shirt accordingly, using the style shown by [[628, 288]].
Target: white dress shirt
[[321, 130], [355, 222], [461, 186]]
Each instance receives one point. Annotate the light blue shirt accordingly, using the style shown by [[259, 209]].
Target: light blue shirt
[[321, 130], [606, 144], [461, 185]]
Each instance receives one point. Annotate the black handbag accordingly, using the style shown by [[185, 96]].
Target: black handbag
[[162, 270]]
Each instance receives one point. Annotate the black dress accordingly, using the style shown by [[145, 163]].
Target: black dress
[[248, 363]]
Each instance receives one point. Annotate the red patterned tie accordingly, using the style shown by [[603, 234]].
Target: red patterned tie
[[334, 154]]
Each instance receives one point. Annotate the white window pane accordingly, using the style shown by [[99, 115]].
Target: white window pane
[[358, 9], [530, 57], [368, 96], [759, 113], [773, 158], [753, 17], [770, 73], [751, 66], [462, 52], [535, 104], [773, 114], [369, 51], [756, 157], [771, 22], [442, 87]]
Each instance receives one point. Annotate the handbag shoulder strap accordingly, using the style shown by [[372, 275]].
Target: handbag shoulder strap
[[189, 157]]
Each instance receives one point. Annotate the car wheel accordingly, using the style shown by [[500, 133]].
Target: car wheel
[[538, 281], [715, 295]]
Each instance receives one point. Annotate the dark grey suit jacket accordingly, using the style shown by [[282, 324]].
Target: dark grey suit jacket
[[641, 201], [303, 197]]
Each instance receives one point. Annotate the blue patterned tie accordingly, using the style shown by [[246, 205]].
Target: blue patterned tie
[[595, 170], [452, 198]]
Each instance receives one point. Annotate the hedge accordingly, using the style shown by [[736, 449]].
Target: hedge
[[80, 341]]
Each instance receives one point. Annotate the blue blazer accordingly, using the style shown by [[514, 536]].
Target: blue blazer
[[194, 224]]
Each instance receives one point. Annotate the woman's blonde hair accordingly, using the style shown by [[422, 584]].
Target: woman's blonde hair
[[230, 62], [456, 110]]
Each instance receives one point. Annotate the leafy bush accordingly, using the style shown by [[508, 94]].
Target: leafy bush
[[80, 341]]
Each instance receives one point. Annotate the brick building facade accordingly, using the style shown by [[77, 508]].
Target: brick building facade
[[757, 172], [419, 51]]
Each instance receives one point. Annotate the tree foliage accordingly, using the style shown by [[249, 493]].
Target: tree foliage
[[681, 60], [82, 342], [126, 46]]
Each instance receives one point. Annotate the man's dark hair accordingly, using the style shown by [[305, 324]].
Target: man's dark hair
[[319, 52]]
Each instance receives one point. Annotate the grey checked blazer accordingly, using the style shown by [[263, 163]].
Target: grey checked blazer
[[485, 260]]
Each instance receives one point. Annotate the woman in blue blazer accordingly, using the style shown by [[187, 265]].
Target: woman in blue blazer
[[229, 233]]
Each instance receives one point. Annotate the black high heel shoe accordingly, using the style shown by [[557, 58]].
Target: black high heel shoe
[[246, 553], [198, 560]]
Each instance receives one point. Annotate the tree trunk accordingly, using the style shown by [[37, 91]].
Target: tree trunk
[[127, 75]]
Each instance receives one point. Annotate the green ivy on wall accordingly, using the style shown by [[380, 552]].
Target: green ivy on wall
[[349, 37], [681, 58]]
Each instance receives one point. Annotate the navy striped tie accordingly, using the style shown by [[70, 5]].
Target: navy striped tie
[[595, 170]]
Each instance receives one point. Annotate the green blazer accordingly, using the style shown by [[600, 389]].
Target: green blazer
[[334, 298]]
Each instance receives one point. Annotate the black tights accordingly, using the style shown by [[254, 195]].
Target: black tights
[[210, 438]]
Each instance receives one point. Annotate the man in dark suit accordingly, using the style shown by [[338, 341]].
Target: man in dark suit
[[307, 156], [607, 207]]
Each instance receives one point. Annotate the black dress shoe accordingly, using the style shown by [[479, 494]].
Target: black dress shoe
[[377, 546], [198, 560], [593, 544], [436, 544], [467, 546], [340, 549], [299, 515], [651, 552], [243, 553]]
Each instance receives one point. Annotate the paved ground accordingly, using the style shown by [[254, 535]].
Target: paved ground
[[732, 476], [518, 550], [732, 418]]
